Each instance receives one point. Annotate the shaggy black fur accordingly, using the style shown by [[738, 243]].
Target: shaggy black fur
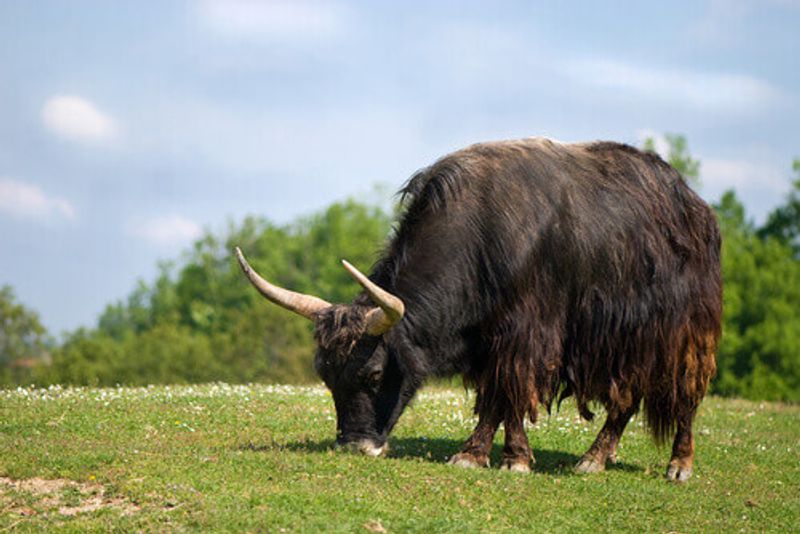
[[535, 268]]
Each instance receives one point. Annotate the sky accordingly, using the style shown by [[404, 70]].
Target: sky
[[127, 129]]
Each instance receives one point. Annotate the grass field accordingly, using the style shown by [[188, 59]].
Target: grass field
[[259, 458]]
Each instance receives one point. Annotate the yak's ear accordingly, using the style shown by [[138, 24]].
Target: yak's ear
[[390, 308], [306, 305]]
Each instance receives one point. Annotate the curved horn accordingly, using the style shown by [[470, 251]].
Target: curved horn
[[390, 309], [305, 305]]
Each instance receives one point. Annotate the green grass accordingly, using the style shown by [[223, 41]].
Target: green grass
[[259, 458]]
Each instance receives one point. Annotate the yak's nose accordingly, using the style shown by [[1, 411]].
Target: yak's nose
[[363, 446]]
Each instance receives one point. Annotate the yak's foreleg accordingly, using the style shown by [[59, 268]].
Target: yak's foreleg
[[605, 444], [476, 450], [517, 454]]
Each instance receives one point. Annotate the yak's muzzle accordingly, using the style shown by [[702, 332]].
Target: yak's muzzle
[[364, 446]]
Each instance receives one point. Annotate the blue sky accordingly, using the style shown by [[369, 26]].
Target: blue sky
[[126, 129]]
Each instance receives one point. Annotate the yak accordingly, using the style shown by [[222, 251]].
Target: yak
[[536, 270]]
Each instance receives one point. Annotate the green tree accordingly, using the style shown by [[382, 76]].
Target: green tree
[[200, 319], [24, 342], [86, 358], [759, 354]]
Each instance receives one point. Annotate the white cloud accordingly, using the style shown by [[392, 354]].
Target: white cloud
[[722, 174], [169, 230], [28, 201], [272, 19], [719, 92], [77, 119]]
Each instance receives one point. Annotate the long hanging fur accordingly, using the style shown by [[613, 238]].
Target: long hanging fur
[[534, 268]]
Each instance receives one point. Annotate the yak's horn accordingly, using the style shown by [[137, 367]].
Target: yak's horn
[[390, 308], [305, 305]]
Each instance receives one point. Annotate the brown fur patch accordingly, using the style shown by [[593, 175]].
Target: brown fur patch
[[339, 328]]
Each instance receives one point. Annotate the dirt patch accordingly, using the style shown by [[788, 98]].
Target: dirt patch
[[31, 496]]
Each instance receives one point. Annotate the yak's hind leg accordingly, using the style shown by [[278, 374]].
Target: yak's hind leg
[[476, 450], [698, 366], [679, 468], [605, 444]]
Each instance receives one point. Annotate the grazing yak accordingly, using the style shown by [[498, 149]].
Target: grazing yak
[[537, 270]]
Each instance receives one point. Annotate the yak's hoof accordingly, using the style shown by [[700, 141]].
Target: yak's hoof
[[589, 464], [678, 471], [467, 460], [515, 465]]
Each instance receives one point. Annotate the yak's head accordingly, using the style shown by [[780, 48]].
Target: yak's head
[[354, 358]]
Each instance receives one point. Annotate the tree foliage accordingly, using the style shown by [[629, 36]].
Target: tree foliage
[[759, 354], [200, 321], [24, 341]]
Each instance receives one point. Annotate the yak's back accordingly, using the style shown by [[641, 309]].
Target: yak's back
[[588, 198], [546, 168]]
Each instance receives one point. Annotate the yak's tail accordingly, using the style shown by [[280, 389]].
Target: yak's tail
[[690, 369]]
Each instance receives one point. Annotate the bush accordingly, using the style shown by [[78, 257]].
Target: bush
[[759, 355], [201, 321]]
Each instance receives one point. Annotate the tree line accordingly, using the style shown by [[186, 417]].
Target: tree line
[[200, 321]]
